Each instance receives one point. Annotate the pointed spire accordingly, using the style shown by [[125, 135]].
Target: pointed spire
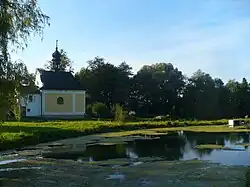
[[56, 44], [56, 58]]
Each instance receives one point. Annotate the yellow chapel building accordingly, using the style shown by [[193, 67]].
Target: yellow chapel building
[[59, 94]]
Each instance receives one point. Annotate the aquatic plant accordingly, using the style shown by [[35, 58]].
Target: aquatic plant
[[18, 134], [119, 113]]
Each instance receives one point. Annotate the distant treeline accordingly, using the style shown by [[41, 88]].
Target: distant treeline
[[162, 89]]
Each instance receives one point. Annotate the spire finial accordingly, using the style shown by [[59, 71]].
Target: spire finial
[[56, 58], [56, 44]]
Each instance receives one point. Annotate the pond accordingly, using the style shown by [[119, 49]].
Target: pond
[[223, 148], [149, 158]]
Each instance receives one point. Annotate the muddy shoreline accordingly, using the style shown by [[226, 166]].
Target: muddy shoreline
[[49, 172]]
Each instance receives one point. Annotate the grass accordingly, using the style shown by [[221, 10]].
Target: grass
[[19, 134]]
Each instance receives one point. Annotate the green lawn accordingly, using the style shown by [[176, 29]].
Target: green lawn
[[18, 134]]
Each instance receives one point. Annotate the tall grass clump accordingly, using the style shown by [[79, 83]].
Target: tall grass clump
[[119, 113]]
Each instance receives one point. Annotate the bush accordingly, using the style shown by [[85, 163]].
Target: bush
[[100, 110], [89, 110], [17, 112], [162, 118], [131, 115], [119, 113], [247, 125]]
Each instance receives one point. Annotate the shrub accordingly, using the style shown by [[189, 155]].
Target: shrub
[[119, 113], [162, 118], [247, 125], [89, 110], [100, 110], [131, 115], [17, 112]]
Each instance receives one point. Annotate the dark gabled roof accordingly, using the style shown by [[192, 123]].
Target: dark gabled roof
[[59, 80]]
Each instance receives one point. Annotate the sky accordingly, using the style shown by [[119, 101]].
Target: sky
[[211, 35]]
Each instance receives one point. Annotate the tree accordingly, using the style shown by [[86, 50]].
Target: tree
[[200, 98], [18, 20], [222, 108], [19, 82], [105, 82], [161, 89], [65, 65], [239, 97], [156, 90]]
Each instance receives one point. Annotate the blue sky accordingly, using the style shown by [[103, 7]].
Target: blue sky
[[211, 35]]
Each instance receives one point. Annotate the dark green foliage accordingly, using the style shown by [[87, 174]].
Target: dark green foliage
[[105, 82], [100, 110], [162, 90], [119, 113], [89, 110], [18, 20]]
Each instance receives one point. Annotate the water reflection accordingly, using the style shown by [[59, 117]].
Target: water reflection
[[171, 147], [174, 146]]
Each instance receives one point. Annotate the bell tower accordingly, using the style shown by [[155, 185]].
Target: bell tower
[[56, 58]]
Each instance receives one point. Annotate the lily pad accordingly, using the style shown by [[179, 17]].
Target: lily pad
[[209, 146]]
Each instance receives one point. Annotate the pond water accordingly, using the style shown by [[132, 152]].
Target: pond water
[[172, 146], [135, 160]]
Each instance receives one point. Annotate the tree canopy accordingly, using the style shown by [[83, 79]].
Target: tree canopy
[[18, 20], [157, 89], [162, 89]]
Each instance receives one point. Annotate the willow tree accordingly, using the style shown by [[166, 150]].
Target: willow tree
[[18, 20]]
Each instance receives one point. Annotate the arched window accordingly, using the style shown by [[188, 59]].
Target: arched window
[[60, 101]]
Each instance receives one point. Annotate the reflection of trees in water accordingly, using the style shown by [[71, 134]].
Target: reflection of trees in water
[[170, 146], [203, 152], [104, 152], [215, 138], [201, 138], [246, 137], [234, 138], [237, 137], [196, 138]]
